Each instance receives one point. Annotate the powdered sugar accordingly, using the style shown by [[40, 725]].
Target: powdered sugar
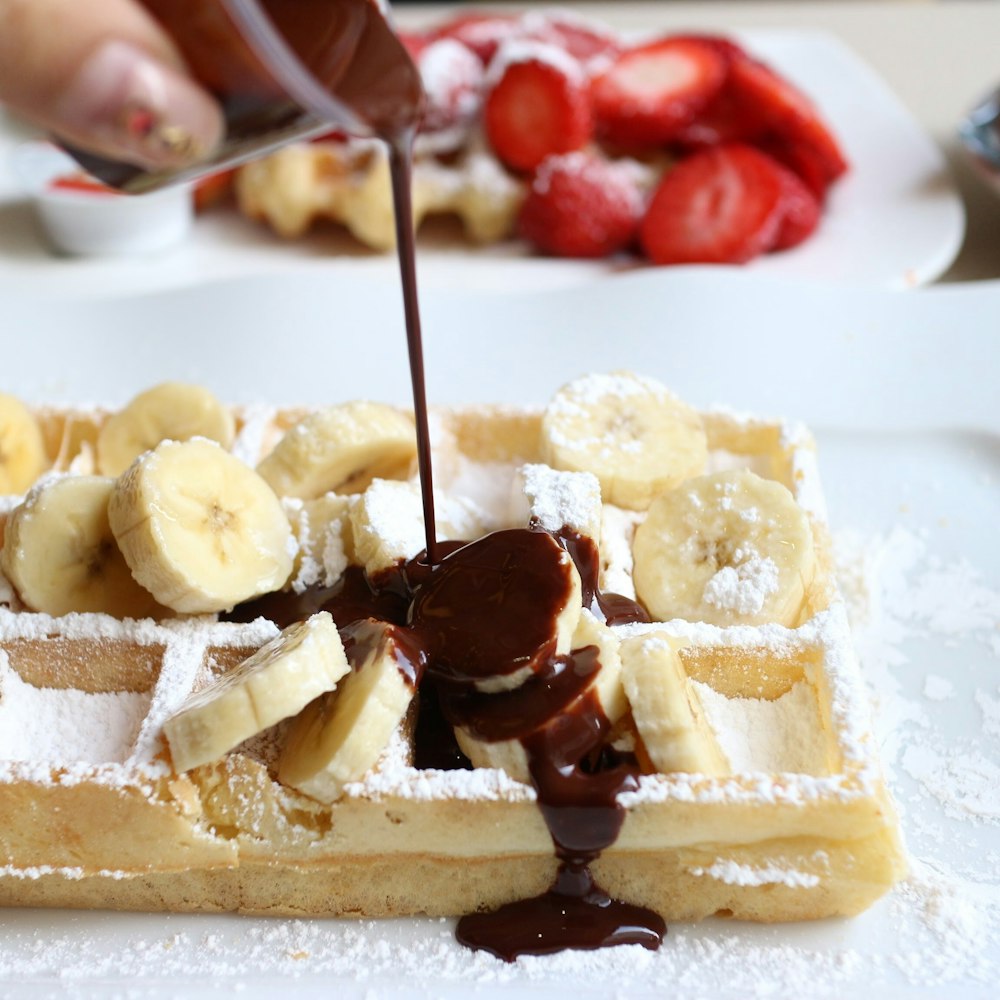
[[737, 874], [770, 737], [744, 585], [55, 726]]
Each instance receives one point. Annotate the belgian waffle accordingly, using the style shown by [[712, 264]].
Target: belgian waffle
[[794, 822]]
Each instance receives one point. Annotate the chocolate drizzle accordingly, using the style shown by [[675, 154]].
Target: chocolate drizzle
[[485, 612], [485, 605], [613, 609]]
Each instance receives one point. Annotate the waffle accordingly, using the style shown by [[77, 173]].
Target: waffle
[[348, 183], [796, 825]]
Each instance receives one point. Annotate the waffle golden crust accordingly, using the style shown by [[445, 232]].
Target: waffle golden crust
[[798, 824]]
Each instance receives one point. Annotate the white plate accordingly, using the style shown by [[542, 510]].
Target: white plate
[[901, 390], [895, 220]]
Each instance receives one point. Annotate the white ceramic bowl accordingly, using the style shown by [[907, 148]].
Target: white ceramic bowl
[[99, 222]]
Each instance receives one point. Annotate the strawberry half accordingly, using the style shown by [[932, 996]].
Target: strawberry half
[[801, 210], [651, 92], [482, 33], [582, 38], [452, 77], [537, 107], [719, 206], [786, 114], [581, 206]]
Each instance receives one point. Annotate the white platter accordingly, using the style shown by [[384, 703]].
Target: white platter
[[901, 391], [894, 221]]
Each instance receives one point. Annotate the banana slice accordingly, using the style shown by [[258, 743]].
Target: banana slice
[[495, 611], [200, 530], [605, 683], [666, 709], [634, 435], [729, 548], [387, 523], [324, 541], [341, 448], [557, 500], [278, 681], [22, 446], [172, 411], [339, 737], [60, 554]]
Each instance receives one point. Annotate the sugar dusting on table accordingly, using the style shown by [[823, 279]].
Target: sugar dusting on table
[[938, 929]]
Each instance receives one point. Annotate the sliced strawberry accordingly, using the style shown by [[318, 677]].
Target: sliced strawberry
[[725, 119], [582, 38], [802, 159], [537, 107], [801, 211], [452, 76], [582, 206], [725, 46], [720, 205], [482, 33], [786, 113], [651, 92]]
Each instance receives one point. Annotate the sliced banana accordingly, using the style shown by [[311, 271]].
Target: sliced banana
[[61, 556], [323, 536], [339, 737], [387, 523], [666, 709], [22, 446], [278, 681], [200, 530], [341, 448], [634, 435], [605, 683], [728, 548], [495, 610], [557, 500], [172, 411]]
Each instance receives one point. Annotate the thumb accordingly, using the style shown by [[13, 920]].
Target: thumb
[[104, 76]]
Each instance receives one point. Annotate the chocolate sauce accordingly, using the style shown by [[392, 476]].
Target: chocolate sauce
[[486, 610], [362, 638], [400, 168], [614, 609]]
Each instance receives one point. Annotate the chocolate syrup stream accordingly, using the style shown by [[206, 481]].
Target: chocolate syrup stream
[[400, 163]]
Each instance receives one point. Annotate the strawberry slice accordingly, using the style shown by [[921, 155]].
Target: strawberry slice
[[786, 113], [482, 33], [452, 77], [582, 38], [537, 107], [581, 205], [802, 159], [651, 92], [801, 210], [723, 205]]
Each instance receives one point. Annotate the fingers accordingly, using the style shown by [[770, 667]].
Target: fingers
[[104, 76]]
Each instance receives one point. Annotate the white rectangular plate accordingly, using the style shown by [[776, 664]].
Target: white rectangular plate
[[895, 220], [901, 390]]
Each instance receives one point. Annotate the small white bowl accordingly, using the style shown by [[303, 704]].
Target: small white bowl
[[99, 222]]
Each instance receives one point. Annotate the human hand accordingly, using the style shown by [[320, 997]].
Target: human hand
[[103, 75]]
